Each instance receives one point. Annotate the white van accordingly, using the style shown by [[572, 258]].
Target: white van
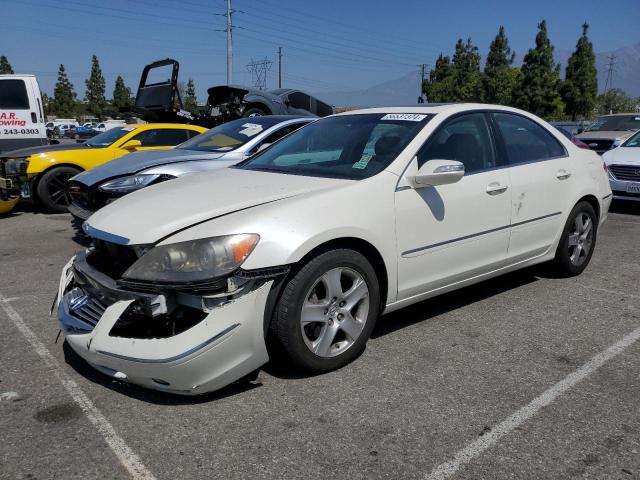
[[21, 116], [108, 124]]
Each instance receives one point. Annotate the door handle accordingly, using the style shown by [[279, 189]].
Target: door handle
[[563, 174], [496, 188]]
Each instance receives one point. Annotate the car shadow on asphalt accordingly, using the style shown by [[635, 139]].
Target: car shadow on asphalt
[[146, 395], [625, 207], [429, 309]]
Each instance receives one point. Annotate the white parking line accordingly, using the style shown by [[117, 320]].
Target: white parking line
[[475, 448], [127, 457]]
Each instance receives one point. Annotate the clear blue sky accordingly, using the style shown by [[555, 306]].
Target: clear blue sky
[[329, 45]]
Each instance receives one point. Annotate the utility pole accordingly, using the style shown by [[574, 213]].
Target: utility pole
[[423, 67], [608, 84], [229, 44], [279, 67]]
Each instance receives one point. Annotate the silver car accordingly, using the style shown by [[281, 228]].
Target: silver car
[[219, 147]]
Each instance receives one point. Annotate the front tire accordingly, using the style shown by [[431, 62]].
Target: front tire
[[52, 192], [327, 311], [255, 112], [578, 240]]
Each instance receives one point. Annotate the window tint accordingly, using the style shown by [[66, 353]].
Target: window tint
[[525, 140], [192, 133], [466, 139], [13, 94], [275, 136], [161, 137], [300, 100]]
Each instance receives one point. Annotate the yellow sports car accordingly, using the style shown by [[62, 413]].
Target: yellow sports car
[[41, 172]]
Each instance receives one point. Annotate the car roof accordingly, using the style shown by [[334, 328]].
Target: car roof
[[434, 108], [146, 126]]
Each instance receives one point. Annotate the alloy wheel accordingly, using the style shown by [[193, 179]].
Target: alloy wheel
[[334, 312], [580, 239], [58, 191]]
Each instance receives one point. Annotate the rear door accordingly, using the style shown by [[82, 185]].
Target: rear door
[[541, 179]]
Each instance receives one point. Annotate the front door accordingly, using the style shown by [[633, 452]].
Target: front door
[[450, 233]]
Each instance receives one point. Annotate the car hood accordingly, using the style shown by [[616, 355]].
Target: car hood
[[605, 135], [27, 152], [154, 213], [623, 156], [137, 161]]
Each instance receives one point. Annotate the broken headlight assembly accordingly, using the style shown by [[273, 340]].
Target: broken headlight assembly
[[193, 261], [124, 185]]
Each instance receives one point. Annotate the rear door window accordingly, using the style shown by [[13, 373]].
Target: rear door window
[[300, 100], [525, 140], [13, 94]]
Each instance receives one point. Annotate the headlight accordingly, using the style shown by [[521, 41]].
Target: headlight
[[129, 184], [15, 166], [193, 261]]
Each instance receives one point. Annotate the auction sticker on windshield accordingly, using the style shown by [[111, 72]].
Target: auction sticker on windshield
[[410, 117], [251, 129]]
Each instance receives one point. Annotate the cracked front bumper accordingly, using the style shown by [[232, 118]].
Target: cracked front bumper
[[222, 348]]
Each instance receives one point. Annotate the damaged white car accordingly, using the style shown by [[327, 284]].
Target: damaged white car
[[192, 284]]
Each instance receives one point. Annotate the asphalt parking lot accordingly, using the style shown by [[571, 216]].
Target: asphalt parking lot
[[524, 376]]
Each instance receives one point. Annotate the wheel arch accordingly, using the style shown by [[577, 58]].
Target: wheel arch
[[593, 201], [371, 253], [258, 104]]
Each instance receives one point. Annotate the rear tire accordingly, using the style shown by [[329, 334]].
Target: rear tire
[[578, 241], [327, 311], [51, 190]]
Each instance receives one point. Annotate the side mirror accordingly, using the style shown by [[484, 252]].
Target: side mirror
[[437, 172], [132, 145]]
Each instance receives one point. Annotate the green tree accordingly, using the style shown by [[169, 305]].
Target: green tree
[[95, 84], [499, 80], [5, 66], [190, 99], [467, 80], [64, 97], [439, 86], [616, 101], [121, 94], [46, 103], [580, 88], [539, 92]]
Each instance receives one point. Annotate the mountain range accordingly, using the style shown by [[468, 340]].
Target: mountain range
[[405, 90]]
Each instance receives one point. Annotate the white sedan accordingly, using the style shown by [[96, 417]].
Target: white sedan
[[624, 169], [192, 284]]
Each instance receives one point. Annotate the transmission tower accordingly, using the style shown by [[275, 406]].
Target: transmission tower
[[258, 70], [608, 84]]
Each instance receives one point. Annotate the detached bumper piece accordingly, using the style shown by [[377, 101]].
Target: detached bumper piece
[[185, 342]]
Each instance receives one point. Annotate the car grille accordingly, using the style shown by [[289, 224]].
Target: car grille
[[629, 173], [111, 259], [90, 310], [599, 145], [87, 198], [617, 193]]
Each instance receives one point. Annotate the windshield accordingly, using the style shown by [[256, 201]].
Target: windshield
[[348, 146], [619, 123], [107, 138], [229, 136], [634, 141]]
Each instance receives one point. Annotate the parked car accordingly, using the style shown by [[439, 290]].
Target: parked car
[[609, 131], [572, 137], [573, 127], [41, 173], [160, 101], [301, 247], [108, 124], [84, 133], [220, 147], [624, 169]]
